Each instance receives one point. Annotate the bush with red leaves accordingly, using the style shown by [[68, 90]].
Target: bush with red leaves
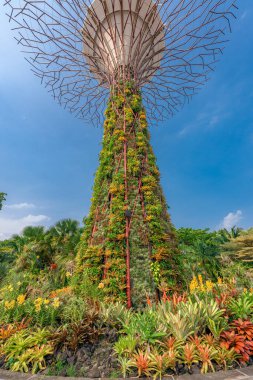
[[239, 337]]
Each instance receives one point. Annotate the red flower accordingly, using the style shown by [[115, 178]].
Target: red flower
[[149, 303], [53, 266]]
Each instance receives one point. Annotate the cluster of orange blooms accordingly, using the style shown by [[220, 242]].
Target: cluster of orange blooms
[[59, 292]]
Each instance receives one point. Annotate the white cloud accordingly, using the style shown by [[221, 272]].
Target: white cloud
[[11, 226], [231, 219], [20, 206]]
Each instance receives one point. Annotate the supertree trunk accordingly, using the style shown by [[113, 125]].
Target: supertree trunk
[[128, 246]]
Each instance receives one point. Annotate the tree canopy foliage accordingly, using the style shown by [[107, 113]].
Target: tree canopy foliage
[[212, 254], [36, 248], [2, 199]]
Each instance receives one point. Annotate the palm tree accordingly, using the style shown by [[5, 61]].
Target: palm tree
[[32, 233], [64, 237], [227, 235], [65, 227], [32, 248], [200, 252]]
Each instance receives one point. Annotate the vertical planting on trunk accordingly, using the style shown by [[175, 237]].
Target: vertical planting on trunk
[[128, 246]]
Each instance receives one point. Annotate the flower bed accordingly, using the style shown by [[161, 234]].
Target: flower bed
[[66, 332]]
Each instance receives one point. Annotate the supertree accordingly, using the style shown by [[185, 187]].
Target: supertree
[[137, 60]]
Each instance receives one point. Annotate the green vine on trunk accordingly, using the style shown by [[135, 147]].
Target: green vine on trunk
[[127, 190]]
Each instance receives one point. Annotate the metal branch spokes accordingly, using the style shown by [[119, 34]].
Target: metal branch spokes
[[80, 49]]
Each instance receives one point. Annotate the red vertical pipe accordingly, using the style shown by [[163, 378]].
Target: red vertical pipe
[[128, 277]]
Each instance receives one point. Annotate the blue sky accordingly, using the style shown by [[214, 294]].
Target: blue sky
[[205, 153]]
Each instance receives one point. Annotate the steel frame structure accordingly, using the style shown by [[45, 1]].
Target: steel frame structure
[[62, 43]]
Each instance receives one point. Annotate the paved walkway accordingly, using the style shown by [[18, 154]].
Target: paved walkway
[[237, 374]]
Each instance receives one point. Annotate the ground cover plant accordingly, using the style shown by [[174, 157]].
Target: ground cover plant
[[55, 320]]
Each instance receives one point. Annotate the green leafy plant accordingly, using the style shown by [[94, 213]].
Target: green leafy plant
[[33, 358], [217, 327], [179, 325], [115, 314], [125, 365], [225, 357], [160, 362], [242, 307], [125, 345], [28, 349], [145, 327]]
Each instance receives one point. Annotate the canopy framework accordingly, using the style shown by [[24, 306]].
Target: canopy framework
[[123, 40], [187, 38]]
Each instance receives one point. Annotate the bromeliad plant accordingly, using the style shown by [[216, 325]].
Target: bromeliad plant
[[188, 330], [209, 325], [28, 349], [242, 306], [240, 338]]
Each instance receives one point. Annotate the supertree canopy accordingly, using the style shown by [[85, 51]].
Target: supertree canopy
[[137, 60]]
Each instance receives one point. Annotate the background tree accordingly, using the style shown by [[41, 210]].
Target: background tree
[[2, 199], [237, 257], [226, 235], [200, 250], [38, 250]]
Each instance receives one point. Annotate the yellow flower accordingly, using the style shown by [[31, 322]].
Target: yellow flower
[[209, 285], [46, 302], [9, 304], [108, 252], [56, 303], [101, 285], [201, 285], [219, 281], [37, 303], [200, 278], [10, 288], [193, 284], [19, 283], [38, 307], [121, 236], [21, 299], [68, 274]]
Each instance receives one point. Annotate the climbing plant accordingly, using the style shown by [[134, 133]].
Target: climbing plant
[[128, 246]]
